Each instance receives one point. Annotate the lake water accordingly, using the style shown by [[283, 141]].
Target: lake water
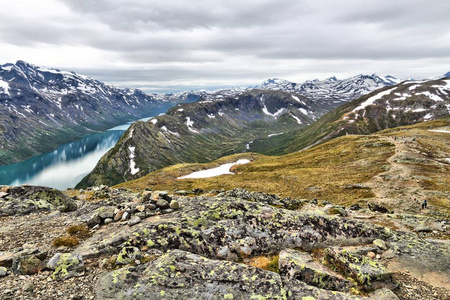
[[67, 165]]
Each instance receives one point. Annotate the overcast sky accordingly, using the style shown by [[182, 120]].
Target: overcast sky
[[171, 45]]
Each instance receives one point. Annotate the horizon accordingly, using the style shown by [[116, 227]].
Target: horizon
[[172, 46]]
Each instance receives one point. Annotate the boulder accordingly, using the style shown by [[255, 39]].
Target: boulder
[[174, 204], [297, 289], [163, 204], [28, 262], [180, 274], [380, 244], [301, 266], [6, 259], [28, 199], [385, 294], [364, 270], [134, 220], [66, 265], [337, 210], [379, 208]]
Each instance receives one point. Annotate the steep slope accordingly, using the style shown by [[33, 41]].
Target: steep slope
[[407, 103], [42, 108], [201, 132]]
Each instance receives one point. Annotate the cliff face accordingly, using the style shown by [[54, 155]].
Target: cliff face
[[41, 108]]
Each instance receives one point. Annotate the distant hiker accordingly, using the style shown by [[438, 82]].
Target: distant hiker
[[424, 204]]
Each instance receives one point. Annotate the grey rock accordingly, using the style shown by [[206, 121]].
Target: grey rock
[[28, 286], [3, 271], [163, 204], [385, 294], [183, 274], [380, 244], [298, 265], [106, 212], [66, 265], [134, 220], [174, 204], [108, 220]]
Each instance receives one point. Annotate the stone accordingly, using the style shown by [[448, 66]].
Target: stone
[[355, 207], [26, 264], [140, 208], [163, 204], [26, 199], [128, 255], [125, 216], [108, 220], [174, 204], [337, 210], [385, 294], [93, 220], [3, 194], [6, 259], [3, 271], [379, 208], [105, 212], [150, 206], [364, 270], [380, 244], [134, 220], [301, 266], [66, 265], [180, 274], [119, 215], [371, 255], [297, 289], [28, 286]]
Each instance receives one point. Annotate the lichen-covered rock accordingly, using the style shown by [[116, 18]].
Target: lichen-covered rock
[[28, 262], [3, 271], [128, 255], [66, 265], [384, 294], [364, 270], [180, 274], [299, 265], [380, 244], [207, 226], [337, 210], [28, 199], [297, 289]]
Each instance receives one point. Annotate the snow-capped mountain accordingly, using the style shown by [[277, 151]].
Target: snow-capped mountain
[[41, 108], [332, 90]]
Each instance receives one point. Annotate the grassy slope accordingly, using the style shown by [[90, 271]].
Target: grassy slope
[[320, 172]]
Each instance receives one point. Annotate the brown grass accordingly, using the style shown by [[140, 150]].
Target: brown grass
[[66, 240], [269, 263]]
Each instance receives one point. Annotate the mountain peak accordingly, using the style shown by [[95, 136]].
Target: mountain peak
[[447, 74]]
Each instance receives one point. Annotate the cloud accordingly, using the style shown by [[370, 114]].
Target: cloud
[[176, 43]]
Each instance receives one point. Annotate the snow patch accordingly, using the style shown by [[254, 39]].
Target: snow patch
[[133, 169], [221, 170], [431, 96], [5, 86], [296, 118], [154, 121], [189, 124], [275, 134], [440, 130], [296, 98], [303, 111], [275, 115], [372, 99]]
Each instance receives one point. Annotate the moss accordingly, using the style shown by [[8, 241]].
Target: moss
[[66, 240]]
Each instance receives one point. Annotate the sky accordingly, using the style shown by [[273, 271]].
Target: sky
[[175, 45]]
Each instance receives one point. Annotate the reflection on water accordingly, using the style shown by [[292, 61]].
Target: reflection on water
[[64, 167]]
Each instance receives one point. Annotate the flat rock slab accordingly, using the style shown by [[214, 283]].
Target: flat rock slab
[[301, 266], [297, 289], [364, 270], [183, 275]]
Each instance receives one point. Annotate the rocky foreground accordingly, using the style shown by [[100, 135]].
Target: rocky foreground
[[104, 243]]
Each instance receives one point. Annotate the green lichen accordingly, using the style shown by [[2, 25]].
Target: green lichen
[[228, 296]]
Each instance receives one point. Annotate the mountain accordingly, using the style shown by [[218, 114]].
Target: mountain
[[332, 91], [409, 102], [202, 131], [42, 108], [221, 123]]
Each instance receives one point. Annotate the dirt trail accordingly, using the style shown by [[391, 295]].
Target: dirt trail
[[397, 187]]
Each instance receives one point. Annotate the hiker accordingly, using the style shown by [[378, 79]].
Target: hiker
[[424, 204]]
